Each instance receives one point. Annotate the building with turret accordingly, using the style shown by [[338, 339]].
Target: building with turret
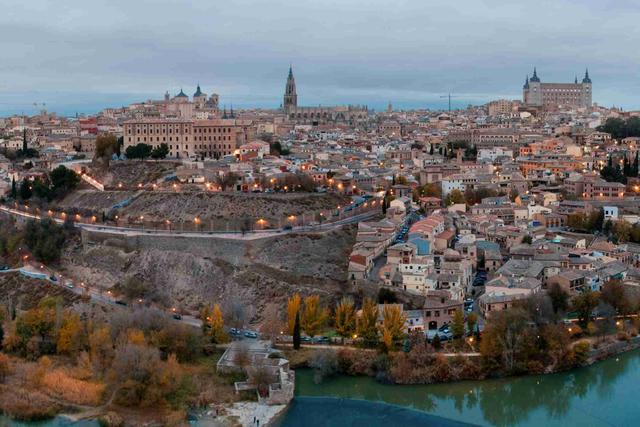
[[554, 96], [349, 114]]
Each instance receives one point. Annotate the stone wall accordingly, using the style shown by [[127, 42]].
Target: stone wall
[[231, 250]]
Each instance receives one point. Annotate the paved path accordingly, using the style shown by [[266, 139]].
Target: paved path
[[232, 235], [96, 295], [351, 347]]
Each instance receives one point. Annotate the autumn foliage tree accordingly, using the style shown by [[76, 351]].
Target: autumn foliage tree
[[366, 323], [216, 326], [457, 324], [345, 318], [392, 328], [314, 316], [71, 337]]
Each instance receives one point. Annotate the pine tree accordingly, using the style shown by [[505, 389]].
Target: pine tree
[[1, 335], [296, 332]]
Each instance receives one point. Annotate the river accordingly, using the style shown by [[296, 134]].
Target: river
[[604, 394]]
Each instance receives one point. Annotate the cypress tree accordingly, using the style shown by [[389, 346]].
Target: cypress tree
[[296, 332], [436, 342], [14, 191], [1, 335]]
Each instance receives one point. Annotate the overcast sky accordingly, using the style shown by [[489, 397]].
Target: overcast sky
[[85, 55]]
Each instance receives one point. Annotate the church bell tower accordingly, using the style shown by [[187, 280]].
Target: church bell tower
[[290, 95]]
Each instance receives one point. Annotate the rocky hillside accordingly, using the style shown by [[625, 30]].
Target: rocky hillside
[[257, 272]]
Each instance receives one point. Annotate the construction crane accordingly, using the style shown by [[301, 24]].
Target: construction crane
[[40, 104], [449, 96]]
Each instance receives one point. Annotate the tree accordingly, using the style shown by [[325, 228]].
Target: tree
[[216, 323], [45, 239], [457, 324], [622, 231], [272, 325], [472, 322], [106, 145], [25, 190], [584, 305], [71, 337], [296, 331], [14, 191], [436, 342], [527, 239], [386, 296], [559, 298], [454, 197], [293, 308], [63, 181], [160, 152], [392, 328], [314, 315], [613, 293], [139, 151], [1, 335], [366, 323], [101, 348], [506, 341], [345, 318]]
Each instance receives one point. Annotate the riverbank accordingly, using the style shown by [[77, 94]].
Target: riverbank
[[422, 365], [602, 394]]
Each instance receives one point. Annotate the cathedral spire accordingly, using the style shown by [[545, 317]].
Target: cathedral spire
[[290, 95], [586, 77], [526, 82], [535, 77]]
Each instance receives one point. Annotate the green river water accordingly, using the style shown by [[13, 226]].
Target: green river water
[[604, 394]]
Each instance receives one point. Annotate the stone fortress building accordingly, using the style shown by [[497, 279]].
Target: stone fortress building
[[552, 96], [349, 114]]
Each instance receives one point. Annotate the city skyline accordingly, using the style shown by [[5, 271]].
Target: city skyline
[[347, 53]]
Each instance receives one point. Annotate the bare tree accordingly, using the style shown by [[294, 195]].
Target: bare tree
[[272, 326]]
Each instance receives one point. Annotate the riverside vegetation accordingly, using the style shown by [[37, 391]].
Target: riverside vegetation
[[95, 363], [532, 337]]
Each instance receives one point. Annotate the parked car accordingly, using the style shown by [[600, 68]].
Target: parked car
[[321, 340], [4, 268], [287, 227], [236, 332], [251, 334], [305, 339], [120, 302], [69, 285], [177, 316], [444, 336]]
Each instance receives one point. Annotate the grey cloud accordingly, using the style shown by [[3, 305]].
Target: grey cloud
[[409, 51]]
